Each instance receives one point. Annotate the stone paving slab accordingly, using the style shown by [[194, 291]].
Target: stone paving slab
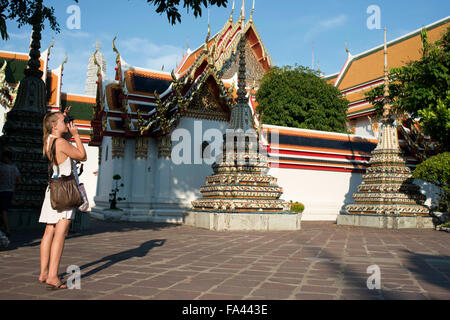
[[120, 261]]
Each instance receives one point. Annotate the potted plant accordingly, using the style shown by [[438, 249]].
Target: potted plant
[[297, 207], [113, 198]]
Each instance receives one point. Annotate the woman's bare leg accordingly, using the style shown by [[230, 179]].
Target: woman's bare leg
[[61, 230], [46, 244]]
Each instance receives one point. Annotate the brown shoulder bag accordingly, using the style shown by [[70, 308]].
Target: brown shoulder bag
[[64, 193]]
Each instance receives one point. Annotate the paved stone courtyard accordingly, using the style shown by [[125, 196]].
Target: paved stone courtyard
[[158, 261]]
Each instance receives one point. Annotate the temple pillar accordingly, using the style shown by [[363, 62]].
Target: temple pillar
[[117, 155], [164, 170], [140, 172]]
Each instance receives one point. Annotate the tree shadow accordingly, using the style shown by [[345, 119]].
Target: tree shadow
[[32, 238], [113, 259], [363, 145], [431, 271]]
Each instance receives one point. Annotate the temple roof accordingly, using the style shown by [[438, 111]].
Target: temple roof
[[137, 92], [364, 71], [56, 100]]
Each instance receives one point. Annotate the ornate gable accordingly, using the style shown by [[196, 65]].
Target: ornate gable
[[207, 104], [254, 71]]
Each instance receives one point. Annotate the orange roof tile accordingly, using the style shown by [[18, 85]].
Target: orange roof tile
[[370, 65]]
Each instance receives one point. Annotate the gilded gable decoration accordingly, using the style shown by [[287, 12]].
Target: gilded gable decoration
[[141, 148], [164, 146], [118, 147]]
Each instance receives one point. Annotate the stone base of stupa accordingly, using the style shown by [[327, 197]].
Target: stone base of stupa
[[386, 221], [238, 221]]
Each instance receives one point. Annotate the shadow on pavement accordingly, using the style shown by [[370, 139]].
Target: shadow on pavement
[[431, 271], [32, 238], [110, 260]]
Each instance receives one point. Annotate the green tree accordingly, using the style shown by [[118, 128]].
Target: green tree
[[437, 170], [298, 97], [22, 11], [421, 89]]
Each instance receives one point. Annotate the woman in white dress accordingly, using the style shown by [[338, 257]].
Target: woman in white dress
[[58, 222]]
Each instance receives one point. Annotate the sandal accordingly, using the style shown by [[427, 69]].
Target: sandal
[[58, 287]]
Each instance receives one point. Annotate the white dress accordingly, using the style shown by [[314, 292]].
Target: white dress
[[48, 214]]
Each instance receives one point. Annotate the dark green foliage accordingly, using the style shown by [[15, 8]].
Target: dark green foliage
[[298, 97], [22, 11], [436, 170], [170, 7], [422, 89]]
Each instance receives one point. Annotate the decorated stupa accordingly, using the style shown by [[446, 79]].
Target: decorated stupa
[[23, 137], [240, 195], [387, 189]]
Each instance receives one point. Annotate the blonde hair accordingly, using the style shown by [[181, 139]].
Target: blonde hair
[[47, 126]]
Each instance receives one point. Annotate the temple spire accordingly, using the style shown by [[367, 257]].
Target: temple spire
[[253, 9], [242, 18], [231, 14], [242, 71], [34, 64], [386, 107], [209, 32]]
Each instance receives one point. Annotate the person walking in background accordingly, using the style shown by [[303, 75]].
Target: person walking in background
[[9, 177], [58, 222]]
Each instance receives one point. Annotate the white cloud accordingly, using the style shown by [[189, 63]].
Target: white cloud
[[74, 74], [137, 52], [143, 53], [75, 34], [24, 35], [325, 25], [334, 22]]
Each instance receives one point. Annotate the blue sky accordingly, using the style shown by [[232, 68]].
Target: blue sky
[[287, 28]]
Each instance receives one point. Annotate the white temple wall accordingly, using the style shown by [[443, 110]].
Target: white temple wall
[[324, 193], [141, 189], [187, 178], [89, 176], [363, 127], [105, 174]]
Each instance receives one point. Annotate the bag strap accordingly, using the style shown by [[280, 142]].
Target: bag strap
[[53, 153], [50, 162]]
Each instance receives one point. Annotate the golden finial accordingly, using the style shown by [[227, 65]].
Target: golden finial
[[209, 33], [51, 45], [162, 68], [99, 68], [64, 62], [115, 50], [253, 9], [231, 14], [243, 14], [346, 49]]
